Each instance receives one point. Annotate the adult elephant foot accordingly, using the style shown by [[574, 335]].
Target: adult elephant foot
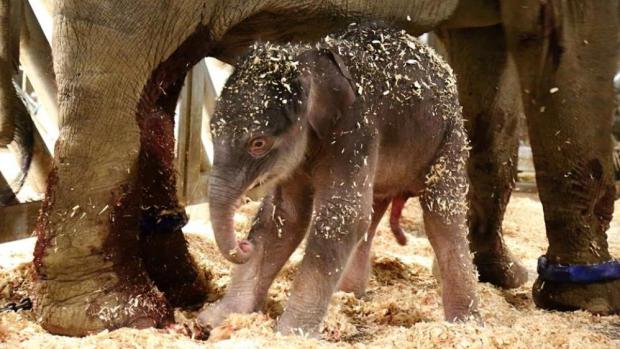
[[501, 270], [601, 298], [85, 310], [174, 270], [93, 279]]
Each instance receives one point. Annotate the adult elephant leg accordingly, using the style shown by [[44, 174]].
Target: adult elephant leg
[[488, 91], [89, 256], [164, 248], [566, 54]]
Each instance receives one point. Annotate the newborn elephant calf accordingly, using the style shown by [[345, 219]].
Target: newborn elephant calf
[[333, 132]]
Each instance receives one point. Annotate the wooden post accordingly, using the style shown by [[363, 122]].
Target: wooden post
[[7, 197], [40, 166], [210, 97], [36, 59], [44, 11], [191, 185], [18, 221]]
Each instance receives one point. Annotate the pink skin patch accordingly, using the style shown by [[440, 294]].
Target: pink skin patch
[[245, 246], [398, 203]]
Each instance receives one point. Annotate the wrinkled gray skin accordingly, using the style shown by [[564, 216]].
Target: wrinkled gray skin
[[339, 131]]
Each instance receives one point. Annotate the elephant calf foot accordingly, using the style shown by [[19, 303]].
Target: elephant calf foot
[[292, 324], [355, 277], [356, 286], [463, 311], [601, 298], [216, 313], [500, 270]]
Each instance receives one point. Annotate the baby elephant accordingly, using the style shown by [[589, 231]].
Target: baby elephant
[[333, 132]]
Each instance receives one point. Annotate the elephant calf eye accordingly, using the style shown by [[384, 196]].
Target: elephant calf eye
[[259, 146]]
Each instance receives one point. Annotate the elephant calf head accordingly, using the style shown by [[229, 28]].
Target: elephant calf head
[[278, 97]]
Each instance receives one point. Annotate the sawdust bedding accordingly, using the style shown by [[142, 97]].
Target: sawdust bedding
[[402, 308]]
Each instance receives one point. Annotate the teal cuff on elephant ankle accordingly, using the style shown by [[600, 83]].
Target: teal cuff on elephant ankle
[[578, 273]]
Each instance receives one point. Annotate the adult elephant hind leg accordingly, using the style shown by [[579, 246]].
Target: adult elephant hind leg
[[278, 229], [164, 248], [488, 92], [566, 55]]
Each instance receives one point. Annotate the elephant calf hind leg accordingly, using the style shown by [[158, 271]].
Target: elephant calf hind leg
[[357, 272], [444, 211], [455, 266]]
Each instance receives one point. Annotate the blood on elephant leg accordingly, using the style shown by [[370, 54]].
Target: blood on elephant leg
[[89, 274], [92, 268], [488, 91], [163, 245], [566, 56]]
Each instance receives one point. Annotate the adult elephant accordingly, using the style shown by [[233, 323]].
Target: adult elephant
[[111, 198]]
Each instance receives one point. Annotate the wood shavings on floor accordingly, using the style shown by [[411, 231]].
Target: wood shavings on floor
[[401, 309]]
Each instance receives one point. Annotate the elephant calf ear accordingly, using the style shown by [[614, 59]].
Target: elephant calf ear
[[329, 89]]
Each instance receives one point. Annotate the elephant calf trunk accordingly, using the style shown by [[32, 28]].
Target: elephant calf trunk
[[222, 209]]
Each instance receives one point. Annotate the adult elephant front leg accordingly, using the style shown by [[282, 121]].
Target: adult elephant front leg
[[566, 56], [90, 269], [488, 91]]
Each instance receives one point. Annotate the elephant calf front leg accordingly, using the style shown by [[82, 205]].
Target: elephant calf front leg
[[278, 229], [337, 227]]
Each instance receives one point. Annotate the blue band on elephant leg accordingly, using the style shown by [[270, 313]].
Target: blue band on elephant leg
[[162, 221], [578, 273]]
